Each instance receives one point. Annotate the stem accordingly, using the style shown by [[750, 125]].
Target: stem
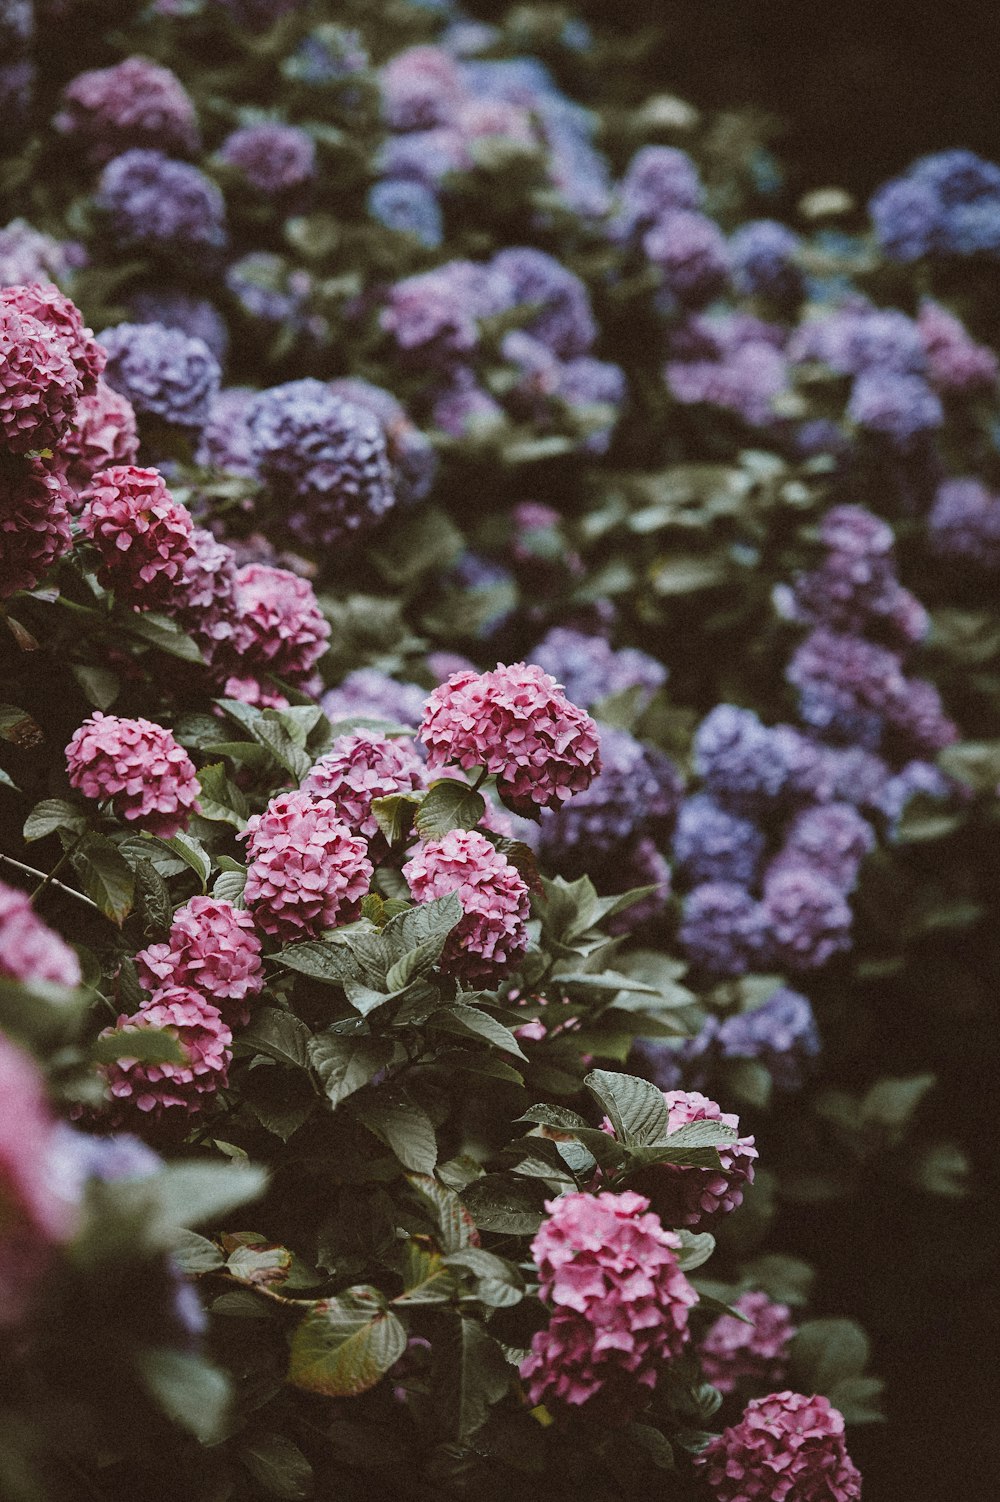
[[70, 849], [483, 774], [33, 871]]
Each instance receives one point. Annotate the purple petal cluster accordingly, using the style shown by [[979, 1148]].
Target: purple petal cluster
[[134, 103], [637, 791], [154, 203], [734, 1353], [590, 669], [786, 1448], [164, 372], [964, 525]]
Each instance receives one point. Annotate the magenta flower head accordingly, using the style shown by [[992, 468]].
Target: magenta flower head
[[491, 936], [141, 533], [103, 434], [733, 1353], [271, 158], [517, 723], [204, 1038], [149, 778], [212, 949], [33, 1214], [205, 599], [40, 385], [307, 870], [361, 767], [29, 950], [420, 87], [57, 313], [280, 627], [690, 250], [620, 1304], [694, 1196], [135, 103], [786, 1448], [34, 524]]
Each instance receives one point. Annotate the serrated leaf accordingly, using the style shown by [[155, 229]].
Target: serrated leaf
[[426, 1280], [106, 877], [469, 1374], [473, 1023], [425, 920], [415, 965], [333, 963], [344, 1064], [229, 886], [52, 815], [154, 895], [455, 1227], [505, 1203], [193, 854], [220, 800], [346, 1344], [162, 632], [100, 686], [280, 1035], [448, 804], [635, 1107], [404, 1127], [394, 816]]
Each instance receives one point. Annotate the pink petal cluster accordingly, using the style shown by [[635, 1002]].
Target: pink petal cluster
[[786, 1448], [280, 625], [361, 767], [308, 871], [55, 311], [39, 384], [691, 1196], [517, 723], [250, 690], [29, 950], [33, 1215], [149, 778], [204, 601], [34, 524], [135, 103], [213, 950], [141, 533], [204, 1038], [955, 362], [620, 1303], [491, 936], [103, 434], [733, 1352]]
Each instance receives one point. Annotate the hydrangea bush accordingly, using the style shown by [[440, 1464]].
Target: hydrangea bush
[[498, 758]]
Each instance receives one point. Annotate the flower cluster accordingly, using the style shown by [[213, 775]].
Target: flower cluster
[[138, 765], [307, 870], [491, 936], [142, 535], [29, 949], [694, 1196], [204, 1040], [358, 769], [733, 1352], [211, 949], [34, 525], [786, 1448], [135, 103], [164, 372], [620, 1303]]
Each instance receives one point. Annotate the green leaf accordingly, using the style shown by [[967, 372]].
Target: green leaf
[[654, 1445], [606, 980], [696, 1248], [859, 1399], [19, 728], [154, 896], [195, 1254], [220, 800], [193, 854], [505, 1203], [404, 1127], [426, 920], [420, 540], [52, 815], [825, 1351], [394, 816], [345, 1345], [162, 632], [106, 877], [279, 1035], [229, 886], [149, 1045], [100, 686], [448, 805], [279, 1466], [141, 847], [415, 965], [333, 963], [344, 1063], [189, 1390], [473, 1023], [469, 1374], [41, 1015], [259, 1264], [635, 1107], [455, 1227], [426, 1280]]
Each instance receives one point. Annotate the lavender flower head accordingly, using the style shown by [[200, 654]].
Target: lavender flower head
[[763, 258], [224, 442], [807, 918], [272, 159], [436, 315], [712, 844], [135, 103], [956, 364], [421, 87], [831, 838], [563, 320], [723, 929], [690, 251], [28, 255], [410, 207], [329, 453], [781, 1033], [917, 779], [748, 766], [907, 217], [368, 694], [591, 670], [659, 180], [163, 372], [964, 524], [267, 288], [176, 309], [897, 407], [154, 203], [411, 453], [636, 792]]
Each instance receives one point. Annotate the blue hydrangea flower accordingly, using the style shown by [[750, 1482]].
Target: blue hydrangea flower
[[163, 372], [367, 693], [711, 844], [154, 203], [763, 256], [636, 792], [411, 207], [723, 929]]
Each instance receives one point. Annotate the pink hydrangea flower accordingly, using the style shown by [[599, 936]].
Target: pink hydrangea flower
[[59, 314], [361, 767], [733, 1352], [517, 723], [620, 1303], [255, 691], [149, 778], [205, 597], [786, 1448], [955, 362], [491, 936], [212, 949], [34, 524], [29, 950], [33, 1214], [134, 103], [104, 434], [280, 626], [204, 1038], [692, 1196], [141, 533], [420, 87], [39, 384], [308, 871]]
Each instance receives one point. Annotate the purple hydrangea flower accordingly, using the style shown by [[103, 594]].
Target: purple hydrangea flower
[[562, 319], [436, 315], [964, 524], [806, 917], [747, 765], [917, 779], [272, 159], [366, 693], [831, 838], [907, 216], [897, 407], [590, 670], [763, 258], [781, 1033], [328, 453], [723, 929], [690, 250], [711, 844], [28, 255], [154, 203], [586, 382], [163, 372], [267, 288], [636, 792], [411, 207], [958, 177], [174, 308], [411, 453], [224, 442], [135, 103], [660, 180], [463, 407]]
